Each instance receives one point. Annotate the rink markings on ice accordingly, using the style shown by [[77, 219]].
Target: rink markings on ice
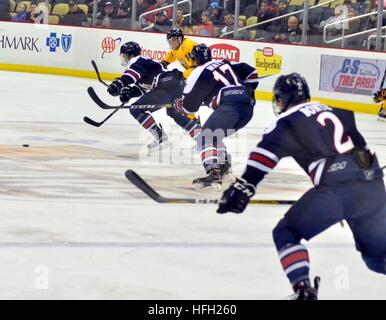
[[151, 245], [51, 151]]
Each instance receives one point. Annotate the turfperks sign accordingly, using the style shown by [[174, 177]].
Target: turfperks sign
[[267, 62]]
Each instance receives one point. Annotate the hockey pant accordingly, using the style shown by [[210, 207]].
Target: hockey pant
[[164, 96], [362, 204]]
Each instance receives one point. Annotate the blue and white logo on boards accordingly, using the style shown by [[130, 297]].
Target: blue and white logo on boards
[[66, 42], [52, 42]]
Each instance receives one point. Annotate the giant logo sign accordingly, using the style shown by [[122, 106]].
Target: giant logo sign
[[225, 51]]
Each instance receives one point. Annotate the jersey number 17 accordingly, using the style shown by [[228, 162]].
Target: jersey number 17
[[225, 74]]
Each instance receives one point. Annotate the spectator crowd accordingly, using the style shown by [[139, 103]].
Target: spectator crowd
[[267, 20]]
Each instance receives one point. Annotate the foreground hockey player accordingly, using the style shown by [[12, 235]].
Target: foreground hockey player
[[348, 181], [229, 90], [150, 81], [380, 97]]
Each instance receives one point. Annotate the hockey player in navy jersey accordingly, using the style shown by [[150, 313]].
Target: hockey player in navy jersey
[[229, 90], [348, 181], [154, 84]]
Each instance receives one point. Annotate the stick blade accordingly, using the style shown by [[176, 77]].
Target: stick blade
[[141, 184], [94, 97], [92, 122]]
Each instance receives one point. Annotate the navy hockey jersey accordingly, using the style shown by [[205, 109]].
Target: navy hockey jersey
[[310, 133], [205, 82], [142, 71]]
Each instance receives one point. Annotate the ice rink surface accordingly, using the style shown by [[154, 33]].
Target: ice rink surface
[[73, 227]]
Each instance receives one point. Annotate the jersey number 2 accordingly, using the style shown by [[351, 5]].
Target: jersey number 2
[[340, 146]]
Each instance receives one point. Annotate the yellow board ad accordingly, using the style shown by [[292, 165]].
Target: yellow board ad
[[267, 62]]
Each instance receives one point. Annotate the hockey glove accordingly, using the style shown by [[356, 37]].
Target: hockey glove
[[379, 96], [115, 87], [129, 92], [236, 197], [178, 74], [164, 63]]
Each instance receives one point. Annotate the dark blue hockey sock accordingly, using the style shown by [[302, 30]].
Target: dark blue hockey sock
[[147, 121], [192, 127]]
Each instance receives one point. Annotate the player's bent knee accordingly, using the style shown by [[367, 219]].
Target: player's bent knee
[[278, 234], [283, 235], [375, 263]]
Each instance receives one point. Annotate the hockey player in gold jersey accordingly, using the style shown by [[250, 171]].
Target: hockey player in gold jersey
[[380, 96], [181, 49]]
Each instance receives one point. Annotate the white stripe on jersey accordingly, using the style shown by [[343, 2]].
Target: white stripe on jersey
[[258, 165], [193, 77], [319, 172], [286, 114], [130, 75], [134, 60], [313, 165], [266, 153], [252, 80]]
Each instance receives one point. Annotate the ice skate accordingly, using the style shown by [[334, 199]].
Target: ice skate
[[382, 115], [160, 141], [304, 291], [212, 180]]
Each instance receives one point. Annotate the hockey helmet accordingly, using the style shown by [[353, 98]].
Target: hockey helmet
[[131, 48], [175, 33], [291, 88], [175, 37], [201, 54]]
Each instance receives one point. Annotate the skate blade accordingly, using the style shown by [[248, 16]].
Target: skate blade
[[382, 119], [293, 296], [158, 148], [210, 186]]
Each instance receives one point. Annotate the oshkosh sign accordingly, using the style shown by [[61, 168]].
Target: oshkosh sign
[[19, 43]]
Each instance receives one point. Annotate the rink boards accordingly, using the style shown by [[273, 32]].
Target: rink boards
[[341, 78]]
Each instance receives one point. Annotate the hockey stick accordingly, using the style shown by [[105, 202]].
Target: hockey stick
[[91, 92], [383, 80], [380, 88], [98, 124], [97, 73], [141, 184]]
